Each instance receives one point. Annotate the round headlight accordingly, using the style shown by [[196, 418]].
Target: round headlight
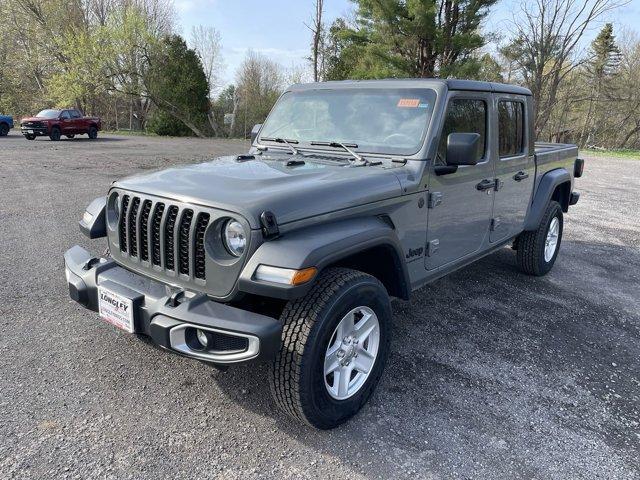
[[234, 238]]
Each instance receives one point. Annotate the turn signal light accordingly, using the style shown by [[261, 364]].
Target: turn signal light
[[285, 276], [304, 275]]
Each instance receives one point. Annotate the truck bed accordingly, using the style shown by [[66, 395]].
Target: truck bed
[[550, 156]]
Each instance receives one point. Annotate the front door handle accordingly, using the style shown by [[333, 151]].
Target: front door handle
[[486, 184], [518, 177]]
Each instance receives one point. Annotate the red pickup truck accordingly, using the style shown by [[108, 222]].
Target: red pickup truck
[[55, 123]]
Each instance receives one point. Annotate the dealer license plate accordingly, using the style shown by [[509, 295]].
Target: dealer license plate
[[116, 309]]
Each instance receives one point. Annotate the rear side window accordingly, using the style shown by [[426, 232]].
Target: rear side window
[[464, 115], [75, 114], [510, 128], [65, 115]]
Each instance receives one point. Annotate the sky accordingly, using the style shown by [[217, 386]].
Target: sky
[[276, 28]]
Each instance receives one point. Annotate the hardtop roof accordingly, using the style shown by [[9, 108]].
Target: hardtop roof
[[451, 84]]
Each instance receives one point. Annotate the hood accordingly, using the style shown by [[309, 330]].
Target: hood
[[250, 187], [35, 119]]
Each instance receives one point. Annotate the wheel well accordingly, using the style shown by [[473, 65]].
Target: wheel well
[[562, 195], [383, 263]]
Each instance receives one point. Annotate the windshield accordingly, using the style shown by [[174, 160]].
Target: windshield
[[384, 120], [49, 114]]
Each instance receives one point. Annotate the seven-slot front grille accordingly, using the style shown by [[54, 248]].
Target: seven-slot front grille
[[164, 235]]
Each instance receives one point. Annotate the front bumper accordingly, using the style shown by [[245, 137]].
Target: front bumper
[[167, 315], [37, 131]]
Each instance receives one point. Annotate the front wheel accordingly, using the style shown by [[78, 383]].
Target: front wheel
[[4, 129], [335, 343], [55, 134], [30, 137], [538, 250], [93, 133]]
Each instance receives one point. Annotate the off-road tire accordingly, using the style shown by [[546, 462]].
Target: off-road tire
[[297, 376], [55, 134], [531, 244], [4, 129], [30, 137], [93, 133]]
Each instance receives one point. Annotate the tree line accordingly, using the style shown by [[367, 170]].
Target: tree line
[[124, 61]]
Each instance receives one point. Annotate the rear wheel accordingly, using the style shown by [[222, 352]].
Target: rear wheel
[[334, 348], [55, 134], [538, 250], [93, 133], [4, 129]]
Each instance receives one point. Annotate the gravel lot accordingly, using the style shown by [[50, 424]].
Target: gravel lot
[[492, 374]]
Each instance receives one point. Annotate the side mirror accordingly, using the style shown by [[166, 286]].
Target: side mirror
[[254, 132], [462, 148]]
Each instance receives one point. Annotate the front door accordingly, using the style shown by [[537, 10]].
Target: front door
[[515, 168], [461, 202], [66, 124]]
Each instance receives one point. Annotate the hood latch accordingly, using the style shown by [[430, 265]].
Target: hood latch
[[269, 225]]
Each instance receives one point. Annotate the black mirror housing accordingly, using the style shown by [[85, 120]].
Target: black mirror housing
[[254, 132], [462, 148]]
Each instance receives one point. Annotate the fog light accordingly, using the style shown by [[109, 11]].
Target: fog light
[[202, 338]]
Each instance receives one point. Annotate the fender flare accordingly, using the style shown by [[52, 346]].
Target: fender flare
[[542, 196], [320, 246], [93, 222]]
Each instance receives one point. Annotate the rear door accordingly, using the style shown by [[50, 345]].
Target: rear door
[[514, 167], [460, 211]]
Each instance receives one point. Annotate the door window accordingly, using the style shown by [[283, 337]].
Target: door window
[[75, 114], [510, 128], [65, 115], [464, 115]]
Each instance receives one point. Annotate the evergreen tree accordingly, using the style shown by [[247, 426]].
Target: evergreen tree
[[601, 66], [604, 58], [414, 38], [177, 84]]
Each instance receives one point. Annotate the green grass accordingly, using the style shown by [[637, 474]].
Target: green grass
[[633, 154]]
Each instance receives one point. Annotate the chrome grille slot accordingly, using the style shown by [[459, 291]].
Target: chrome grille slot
[[144, 230], [169, 238], [132, 227], [183, 241], [199, 262], [122, 224], [155, 233]]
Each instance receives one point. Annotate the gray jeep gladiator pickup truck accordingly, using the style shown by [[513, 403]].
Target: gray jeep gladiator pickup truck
[[353, 192]]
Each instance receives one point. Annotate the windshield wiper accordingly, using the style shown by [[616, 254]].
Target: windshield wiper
[[288, 143], [345, 147]]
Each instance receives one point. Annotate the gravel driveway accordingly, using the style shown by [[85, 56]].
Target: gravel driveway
[[492, 373]]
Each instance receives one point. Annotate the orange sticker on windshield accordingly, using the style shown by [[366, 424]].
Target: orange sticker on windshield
[[409, 102]]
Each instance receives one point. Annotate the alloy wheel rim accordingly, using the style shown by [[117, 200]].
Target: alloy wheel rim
[[351, 353], [551, 242]]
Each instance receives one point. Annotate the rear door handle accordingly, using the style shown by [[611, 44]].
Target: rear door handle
[[518, 177], [486, 184]]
